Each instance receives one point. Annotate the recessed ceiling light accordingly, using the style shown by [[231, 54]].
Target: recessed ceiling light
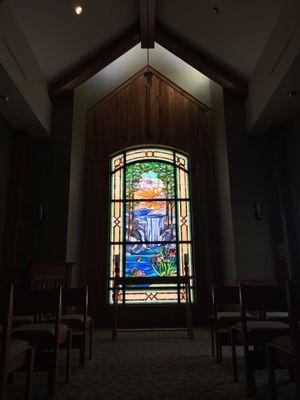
[[216, 10], [78, 10]]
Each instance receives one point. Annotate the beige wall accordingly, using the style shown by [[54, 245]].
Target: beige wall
[[225, 250], [251, 180], [292, 159], [21, 65], [278, 55]]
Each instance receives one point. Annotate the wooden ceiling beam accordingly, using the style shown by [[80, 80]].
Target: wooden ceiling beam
[[147, 23], [103, 57], [216, 72]]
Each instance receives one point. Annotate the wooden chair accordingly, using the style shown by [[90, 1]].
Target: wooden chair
[[14, 353], [79, 321], [47, 337], [284, 351], [258, 333], [224, 298]]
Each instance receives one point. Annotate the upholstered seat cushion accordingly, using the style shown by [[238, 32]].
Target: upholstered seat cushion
[[73, 317], [43, 327], [232, 316], [284, 342], [22, 319], [263, 326], [277, 316], [16, 345], [27, 318], [74, 320]]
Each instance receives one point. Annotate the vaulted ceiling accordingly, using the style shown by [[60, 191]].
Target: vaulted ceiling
[[59, 39]]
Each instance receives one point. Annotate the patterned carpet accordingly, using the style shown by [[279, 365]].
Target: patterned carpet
[[155, 365]]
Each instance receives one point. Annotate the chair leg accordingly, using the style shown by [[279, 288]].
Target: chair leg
[[3, 385], [233, 355], [220, 358], [91, 339], [68, 361], [52, 373], [250, 374], [218, 346], [82, 349], [271, 374], [212, 336], [82, 353], [29, 373], [297, 381]]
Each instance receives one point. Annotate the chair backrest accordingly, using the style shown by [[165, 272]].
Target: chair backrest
[[225, 296], [75, 297], [50, 274], [263, 298], [6, 312], [38, 301], [293, 298]]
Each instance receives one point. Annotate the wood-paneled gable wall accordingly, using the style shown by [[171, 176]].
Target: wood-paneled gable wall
[[136, 115]]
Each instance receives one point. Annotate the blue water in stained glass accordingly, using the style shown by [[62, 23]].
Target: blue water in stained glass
[[139, 259]]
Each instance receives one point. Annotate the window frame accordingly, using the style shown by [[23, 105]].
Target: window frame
[[123, 201]]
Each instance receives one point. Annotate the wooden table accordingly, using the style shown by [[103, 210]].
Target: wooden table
[[159, 282]]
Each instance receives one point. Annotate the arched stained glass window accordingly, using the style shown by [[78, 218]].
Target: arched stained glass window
[[150, 227]]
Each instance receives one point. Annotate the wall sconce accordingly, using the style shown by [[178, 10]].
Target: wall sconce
[[257, 211], [41, 214]]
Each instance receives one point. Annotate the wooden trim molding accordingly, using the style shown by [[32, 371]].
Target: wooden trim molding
[[208, 67], [163, 78], [103, 57], [147, 23]]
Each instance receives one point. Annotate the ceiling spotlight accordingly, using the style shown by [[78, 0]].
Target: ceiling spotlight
[[78, 10], [216, 10], [291, 94]]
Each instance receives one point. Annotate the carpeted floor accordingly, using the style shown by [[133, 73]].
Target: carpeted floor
[[155, 365]]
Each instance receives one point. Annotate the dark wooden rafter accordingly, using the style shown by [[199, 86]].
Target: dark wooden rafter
[[219, 74], [94, 64], [82, 72], [147, 23]]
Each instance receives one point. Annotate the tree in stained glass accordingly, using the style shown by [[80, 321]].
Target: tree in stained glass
[[148, 185]]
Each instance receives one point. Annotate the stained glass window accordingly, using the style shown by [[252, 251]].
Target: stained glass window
[[150, 225]]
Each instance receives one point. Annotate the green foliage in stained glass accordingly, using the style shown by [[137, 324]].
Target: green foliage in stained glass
[[150, 180]]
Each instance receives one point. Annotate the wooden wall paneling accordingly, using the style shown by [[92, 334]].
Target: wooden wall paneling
[[95, 243], [137, 111], [154, 110], [147, 23], [119, 121]]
